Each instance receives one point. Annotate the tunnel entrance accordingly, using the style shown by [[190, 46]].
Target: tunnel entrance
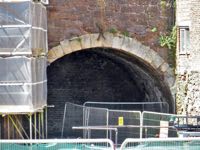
[[101, 74]]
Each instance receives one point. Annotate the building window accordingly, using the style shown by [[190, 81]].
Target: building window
[[184, 43]]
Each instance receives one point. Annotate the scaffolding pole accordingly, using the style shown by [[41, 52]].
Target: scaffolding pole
[[30, 126], [42, 119], [8, 128], [15, 125], [21, 126], [46, 122], [39, 124], [35, 126]]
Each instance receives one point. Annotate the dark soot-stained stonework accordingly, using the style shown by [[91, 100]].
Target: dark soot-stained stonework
[[98, 75]]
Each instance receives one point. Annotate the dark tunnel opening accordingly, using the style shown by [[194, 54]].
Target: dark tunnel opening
[[103, 75]]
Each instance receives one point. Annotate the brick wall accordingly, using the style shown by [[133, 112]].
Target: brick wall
[[67, 19]]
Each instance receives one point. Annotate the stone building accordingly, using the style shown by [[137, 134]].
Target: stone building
[[188, 47]]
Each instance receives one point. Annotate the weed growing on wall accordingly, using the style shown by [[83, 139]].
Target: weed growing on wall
[[169, 41]]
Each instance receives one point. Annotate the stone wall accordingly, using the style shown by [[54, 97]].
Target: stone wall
[[188, 82], [183, 11], [183, 18], [67, 19], [195, 36], [188, 94]]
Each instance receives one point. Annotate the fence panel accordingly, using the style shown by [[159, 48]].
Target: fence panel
[[137, 106], [94, 117], [161, 143], [80, 116], [73, 116], [155, 123], [57, 144], [127, 123]]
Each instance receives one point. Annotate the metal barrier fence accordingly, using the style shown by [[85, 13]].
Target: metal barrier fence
[[93, 122], [77, 115], [127, 123], [57, 144], [137, 106], [93, 116], [161, 144], [158, 125], [102, 144]]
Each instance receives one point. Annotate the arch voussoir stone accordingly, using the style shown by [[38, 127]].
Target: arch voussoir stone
[[75, 44], [117, 42], [66, 46], [85, 41]]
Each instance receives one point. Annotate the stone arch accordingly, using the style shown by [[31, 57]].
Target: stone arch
[[128, 52], [117, 42]]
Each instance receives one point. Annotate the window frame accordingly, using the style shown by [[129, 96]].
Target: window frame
[[184, 40]]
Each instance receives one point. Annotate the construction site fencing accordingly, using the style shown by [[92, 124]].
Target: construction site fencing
[[23, 84], [93, 122], [102, 144], [80, 116], [162, 143], [126, 122], [23, 28], [95, 117], [137, 106], [117, 125], [57, 144], [158, 125]]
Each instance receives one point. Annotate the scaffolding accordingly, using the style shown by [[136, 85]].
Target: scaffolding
[[23, 81], [23, 28]]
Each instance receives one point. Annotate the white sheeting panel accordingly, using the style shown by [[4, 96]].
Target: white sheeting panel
[[23, 82], [22, 69], [15, 13], [32, 96], [23, 28]]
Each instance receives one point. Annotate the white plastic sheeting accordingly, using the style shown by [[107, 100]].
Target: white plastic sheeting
[[23, 84], [23, 28]]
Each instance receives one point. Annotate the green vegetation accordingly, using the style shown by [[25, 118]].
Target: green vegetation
[[167, 3], [163, 4], [169, 41], [154, 29], [113, 30], [126, 33]]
